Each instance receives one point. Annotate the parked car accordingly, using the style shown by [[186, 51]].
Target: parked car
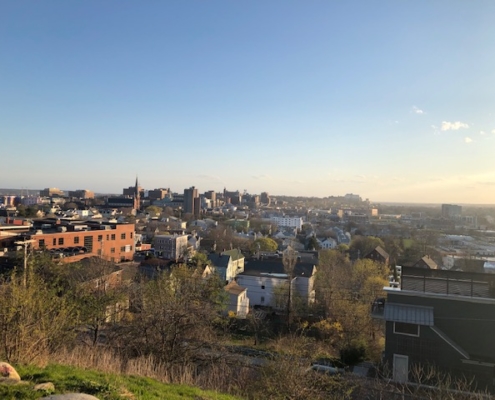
[[326, 369]]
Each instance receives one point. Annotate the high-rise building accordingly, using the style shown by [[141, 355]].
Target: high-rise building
[[451, 210], [210, 194], [191, 201], [265, 198]]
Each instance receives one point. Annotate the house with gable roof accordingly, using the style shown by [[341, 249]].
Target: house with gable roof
[[378, 254], [327, 243], [263, 277], [238, 299], [228, 264], [426, 262]]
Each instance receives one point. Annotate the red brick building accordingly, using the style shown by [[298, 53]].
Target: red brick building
[[74, 240]]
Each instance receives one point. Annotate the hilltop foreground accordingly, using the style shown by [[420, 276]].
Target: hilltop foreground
[[104, 386]]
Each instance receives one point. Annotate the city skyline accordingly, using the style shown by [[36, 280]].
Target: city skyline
[[391, 101]]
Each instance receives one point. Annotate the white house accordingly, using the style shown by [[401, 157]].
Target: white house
[[238, 299], [263, 277], [327, 243], [227, 264]]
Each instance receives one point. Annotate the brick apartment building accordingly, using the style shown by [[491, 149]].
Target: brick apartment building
[[73, 240]]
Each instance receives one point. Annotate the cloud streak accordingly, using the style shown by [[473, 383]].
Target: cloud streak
[[453, 126], [417, 110]]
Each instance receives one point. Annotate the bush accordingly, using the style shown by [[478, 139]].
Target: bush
[[353, 353]]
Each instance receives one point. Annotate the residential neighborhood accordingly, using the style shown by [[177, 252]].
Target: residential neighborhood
[[276, 259]]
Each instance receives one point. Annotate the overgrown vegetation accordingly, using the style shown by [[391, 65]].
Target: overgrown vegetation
[[175, 329], [104, 385]]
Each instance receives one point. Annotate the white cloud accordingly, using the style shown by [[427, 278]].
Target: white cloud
[[454, 126], [416, 110], [482, 133], [468, 140], [493, 131]]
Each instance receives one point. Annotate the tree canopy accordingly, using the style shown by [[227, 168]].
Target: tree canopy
[[264, 244]]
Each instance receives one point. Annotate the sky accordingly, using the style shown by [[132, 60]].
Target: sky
[[392, 100]]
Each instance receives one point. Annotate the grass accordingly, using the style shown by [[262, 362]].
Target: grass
[[105, 386]]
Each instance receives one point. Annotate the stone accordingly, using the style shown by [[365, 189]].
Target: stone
[[70, 396], [8, 373], [46, 387]]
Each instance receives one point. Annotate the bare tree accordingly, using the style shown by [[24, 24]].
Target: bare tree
[[289, 259]]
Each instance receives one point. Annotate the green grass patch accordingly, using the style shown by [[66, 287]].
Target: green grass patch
[[407, 243], [101, 385]]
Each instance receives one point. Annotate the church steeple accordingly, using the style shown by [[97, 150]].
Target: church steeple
[[137, 195]]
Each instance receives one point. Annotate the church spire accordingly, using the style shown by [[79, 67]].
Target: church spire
[[137, 195]]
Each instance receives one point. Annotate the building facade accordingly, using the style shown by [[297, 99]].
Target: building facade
[[69, 241], [442, 319], [191, 201], [172, 247], [292, 222]]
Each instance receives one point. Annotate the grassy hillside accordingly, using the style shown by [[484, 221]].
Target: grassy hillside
[[102, 385]]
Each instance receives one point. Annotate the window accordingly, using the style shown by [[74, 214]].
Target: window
[[262, 286], [76, 239], [108, 237], [113, 236], [100, 238], [403, 328], [54, 241], [41, 243], [122, 249], [122, 236], [131, 235], [262, 299], [112, 250], [60, 241]]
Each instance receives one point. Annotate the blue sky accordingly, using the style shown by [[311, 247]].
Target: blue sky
[[393, 100]]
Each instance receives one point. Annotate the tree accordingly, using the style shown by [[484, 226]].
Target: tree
[[69, 206], [362, 245], [345, 290], [176, 314], [264, 244], [101, 297], [289, 259], [154, 211], [313, 244], [393, 247], [36, 317], [168, 211], [199, 260]]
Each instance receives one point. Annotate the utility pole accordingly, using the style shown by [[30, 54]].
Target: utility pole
[[25, 244]]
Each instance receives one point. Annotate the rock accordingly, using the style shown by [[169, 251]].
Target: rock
[[70, 396], [46, 387], [8, 373]]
